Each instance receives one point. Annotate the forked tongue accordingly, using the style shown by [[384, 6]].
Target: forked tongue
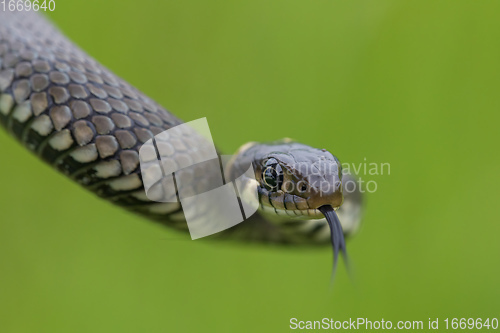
[[336, 235]]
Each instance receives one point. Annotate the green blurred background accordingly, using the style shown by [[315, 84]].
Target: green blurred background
[[412, 83]]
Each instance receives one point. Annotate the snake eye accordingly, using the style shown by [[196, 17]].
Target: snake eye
[[272, 174], [270, 177]]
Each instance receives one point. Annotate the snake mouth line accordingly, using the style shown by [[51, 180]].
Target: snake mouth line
[[293, 213]]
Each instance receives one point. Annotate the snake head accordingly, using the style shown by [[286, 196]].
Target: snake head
[[313, 175], [293, 179]]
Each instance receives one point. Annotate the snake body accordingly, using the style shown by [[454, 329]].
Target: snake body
[[90, 124]]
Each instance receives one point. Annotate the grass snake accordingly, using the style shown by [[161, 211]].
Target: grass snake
[[90, 124]]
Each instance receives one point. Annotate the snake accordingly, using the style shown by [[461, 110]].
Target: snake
[[89, 124]]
